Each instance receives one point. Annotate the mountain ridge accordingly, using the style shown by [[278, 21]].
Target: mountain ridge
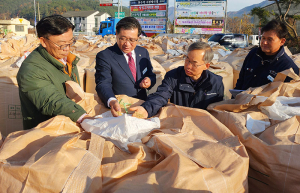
[[247, 10]]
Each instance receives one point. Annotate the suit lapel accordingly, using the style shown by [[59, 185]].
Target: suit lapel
[[138, 67], [120, 59]]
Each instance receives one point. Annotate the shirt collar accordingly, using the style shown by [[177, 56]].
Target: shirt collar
[[132, 53], [203, 77]]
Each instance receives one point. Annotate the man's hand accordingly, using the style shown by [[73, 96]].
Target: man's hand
[[146, 83], [139, 112], [115, 108], [87, 117]]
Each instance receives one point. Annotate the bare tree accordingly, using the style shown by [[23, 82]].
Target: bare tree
[[289, 20]]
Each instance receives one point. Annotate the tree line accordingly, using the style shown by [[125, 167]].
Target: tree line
[[19, 8]]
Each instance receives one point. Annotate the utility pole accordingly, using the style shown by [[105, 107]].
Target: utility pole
[[118, 9], [225, 26], [35, 18], [39, 11]]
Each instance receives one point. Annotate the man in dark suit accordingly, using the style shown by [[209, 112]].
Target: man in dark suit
[[124, 68]]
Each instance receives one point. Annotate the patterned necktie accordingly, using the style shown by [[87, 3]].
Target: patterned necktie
[[131, 65]]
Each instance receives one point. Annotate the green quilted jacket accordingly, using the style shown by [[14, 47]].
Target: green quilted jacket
[[42, 91]]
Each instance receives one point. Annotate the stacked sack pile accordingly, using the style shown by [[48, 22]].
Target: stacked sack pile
[[165, 54], [266, 120], [13, 51], [190, 144], [179, 156]]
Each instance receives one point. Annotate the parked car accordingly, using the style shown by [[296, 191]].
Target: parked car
[[230, 41], [254, 40]]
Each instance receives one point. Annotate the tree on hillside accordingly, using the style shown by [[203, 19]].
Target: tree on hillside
[[240, 24], [262, 15], [284, 7]]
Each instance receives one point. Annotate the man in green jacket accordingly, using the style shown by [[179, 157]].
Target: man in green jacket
[[43, 74]]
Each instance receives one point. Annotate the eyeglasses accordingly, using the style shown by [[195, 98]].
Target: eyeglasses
[[131, 40], [62, 47], [187, 61]]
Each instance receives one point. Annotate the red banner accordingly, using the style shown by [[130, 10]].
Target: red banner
[[106, 4], [149, 8]]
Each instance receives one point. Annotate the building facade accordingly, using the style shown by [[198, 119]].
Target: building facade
[[102, 16], [19, 26], [86, 21]]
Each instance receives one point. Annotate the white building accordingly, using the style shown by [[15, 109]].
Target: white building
[[86, 21], [19, 26], [102, 16]]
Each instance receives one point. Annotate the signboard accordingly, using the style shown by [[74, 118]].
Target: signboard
[[199, 16], [153, 27], [205, 22], [106, 2], [154, 21], [149, 8], [148, 14], [151, 14], [203, 1], [145, 2], [198, 30], [193, 22], [121, 15], [156, 32]]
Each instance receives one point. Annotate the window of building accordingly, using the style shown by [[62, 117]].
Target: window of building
[[19, 28], [83, 18]]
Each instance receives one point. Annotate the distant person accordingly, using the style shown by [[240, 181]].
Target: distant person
[[191, 85], [124, 68], [263, 63], [43, 74]]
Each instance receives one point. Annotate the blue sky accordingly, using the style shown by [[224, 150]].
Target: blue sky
[[233, 5]]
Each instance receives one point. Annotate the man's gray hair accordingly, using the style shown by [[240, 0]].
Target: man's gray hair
[[208, 55]]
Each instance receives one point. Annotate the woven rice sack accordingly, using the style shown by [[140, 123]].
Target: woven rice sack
[[225, 70]]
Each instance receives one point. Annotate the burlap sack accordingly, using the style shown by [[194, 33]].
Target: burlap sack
[[173, 63], [225, 70], [287, 51], [8, 51], [90, 84], [52, 157], [197, 153], [8, 62], [82, 76], [10, 107], [32, 42], [160, 74], [153, 49], [274, 153], [296, 59], [1, 140], [236, 60]]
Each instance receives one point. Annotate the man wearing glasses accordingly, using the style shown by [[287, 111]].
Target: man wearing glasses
[[43, 73], [191, 85], [124, 68]]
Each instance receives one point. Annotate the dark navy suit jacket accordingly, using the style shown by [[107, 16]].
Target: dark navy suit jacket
[[178, 87], [257, 72], [113, 76]]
